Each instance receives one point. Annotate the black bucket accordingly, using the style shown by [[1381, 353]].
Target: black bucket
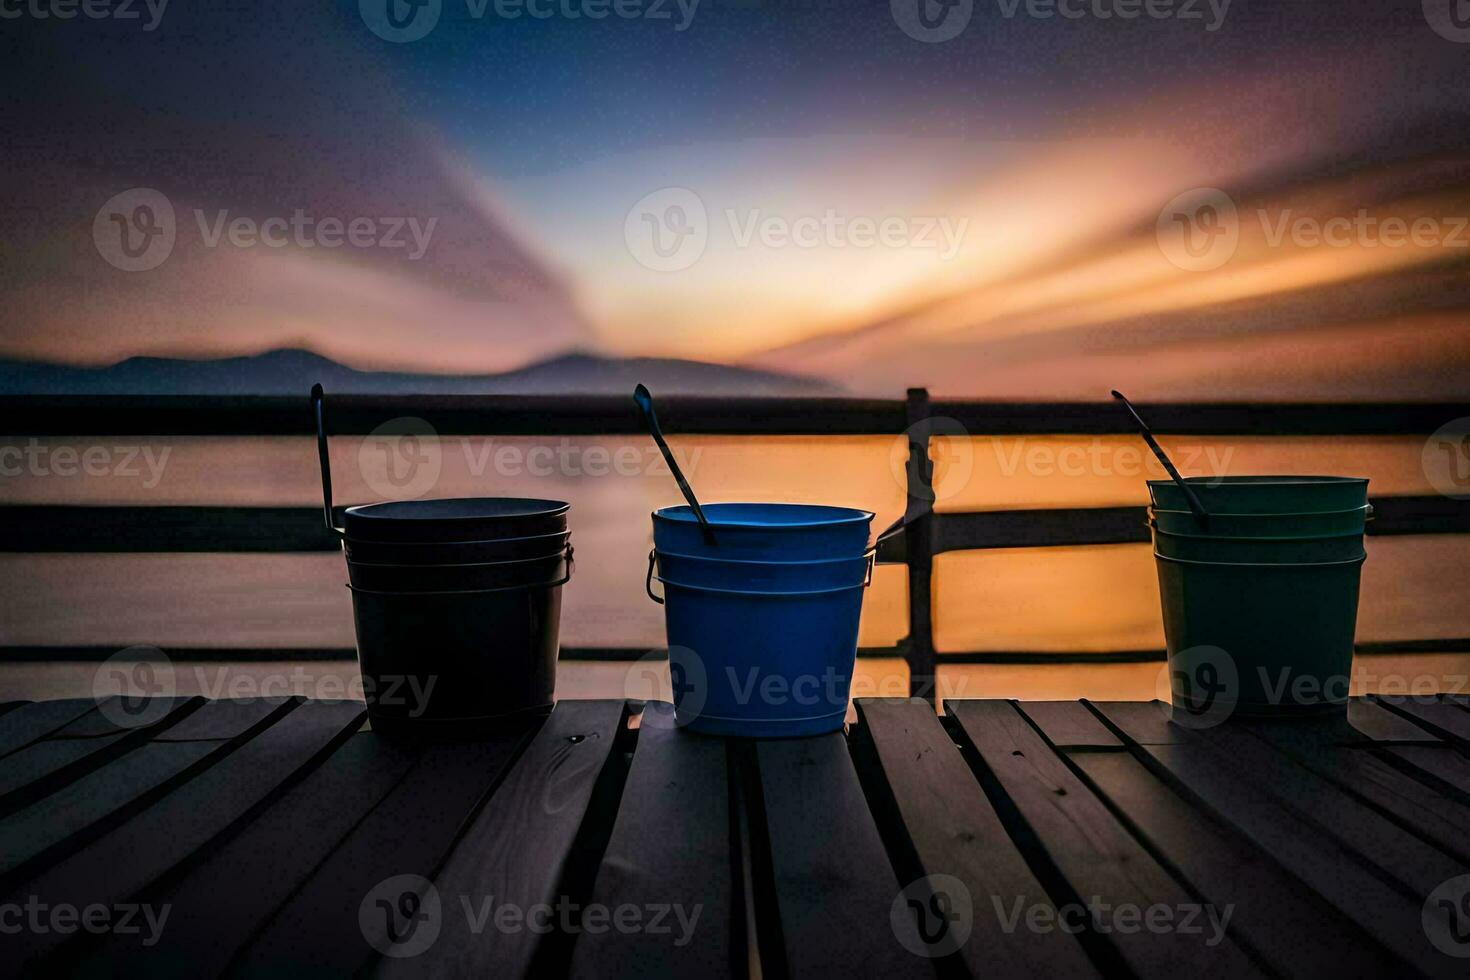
[[457, 606]]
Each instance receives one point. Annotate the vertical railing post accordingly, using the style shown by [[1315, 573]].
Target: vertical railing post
[[919, 547]]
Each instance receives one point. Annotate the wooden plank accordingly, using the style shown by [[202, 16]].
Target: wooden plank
[[1142, 722], [116, 715], [1388, 913], [182, 827], [223, 720], [953, 830], [518, 847], [218, 905], [829, 882], [398, 845], [678, 790], [1413, 805], [64, 821], [1069, 725], [1438, 766], [1448, 721], [48, 765], [1284, 923], [1381, 725], [1333, 811], [36, 720], [1095, 854]]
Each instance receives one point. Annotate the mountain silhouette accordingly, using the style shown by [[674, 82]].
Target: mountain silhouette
[[292, 372]]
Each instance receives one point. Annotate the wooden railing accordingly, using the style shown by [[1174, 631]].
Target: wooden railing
[[53, 529]]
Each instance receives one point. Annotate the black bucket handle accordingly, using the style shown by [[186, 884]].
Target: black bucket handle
[[317, 398]]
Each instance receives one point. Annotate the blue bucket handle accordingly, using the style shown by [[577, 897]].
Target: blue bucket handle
[[871, 555]]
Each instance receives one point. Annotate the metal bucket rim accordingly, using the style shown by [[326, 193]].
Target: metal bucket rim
[[1242, 537], [683, 514], [1262, 564], [399, 544], [564, 554], [761, 561], [1366, 510], [768, 595], [1262, 480]]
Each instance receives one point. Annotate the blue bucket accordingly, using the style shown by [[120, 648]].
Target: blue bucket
[[763, 576], [763, 624], [761, 664], [765, 532]]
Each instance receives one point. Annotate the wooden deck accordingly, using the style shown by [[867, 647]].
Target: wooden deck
[[1002, 839]]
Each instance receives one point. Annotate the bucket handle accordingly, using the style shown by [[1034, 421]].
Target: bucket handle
[[871, 556], [317, 397], [648, 579]]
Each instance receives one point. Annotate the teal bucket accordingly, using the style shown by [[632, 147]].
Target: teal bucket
[[1195, 547], [1285, 633], [763, 623], [1263, 494], [1309, 525], [1260, 600]]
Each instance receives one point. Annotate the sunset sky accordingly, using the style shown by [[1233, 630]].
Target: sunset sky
[[996, 214]]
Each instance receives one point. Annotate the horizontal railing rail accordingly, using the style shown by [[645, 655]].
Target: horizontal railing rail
[[455, 415], [40, 529]]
